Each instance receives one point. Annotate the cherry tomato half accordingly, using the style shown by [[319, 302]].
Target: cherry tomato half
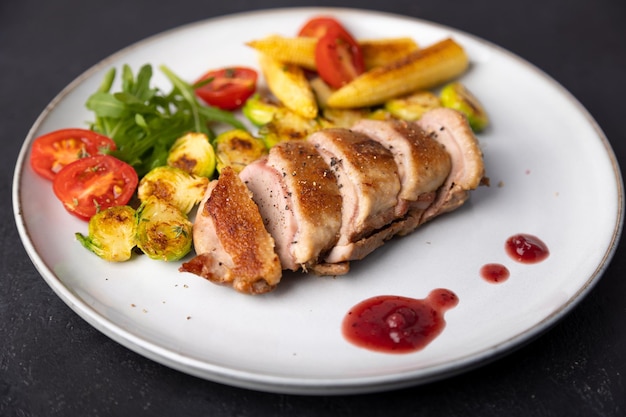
[[338, 58], [319, 26], [54, 150], [94, 183], [229, 88]]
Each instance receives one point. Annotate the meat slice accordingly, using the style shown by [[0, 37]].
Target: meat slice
[[230, 240], [368, 181], [423, 163], [270, 194], [451, 129], [299, 200]]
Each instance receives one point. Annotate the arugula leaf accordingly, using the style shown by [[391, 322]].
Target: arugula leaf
[[144, 122]]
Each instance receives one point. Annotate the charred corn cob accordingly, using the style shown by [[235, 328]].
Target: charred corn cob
[[422, 69], [301, 50], [378, 52], [298, 51], [289, 84]]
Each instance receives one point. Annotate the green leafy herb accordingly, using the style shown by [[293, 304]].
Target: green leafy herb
[[144, 122]]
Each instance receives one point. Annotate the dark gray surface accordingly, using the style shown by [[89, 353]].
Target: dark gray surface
[[52, 363]]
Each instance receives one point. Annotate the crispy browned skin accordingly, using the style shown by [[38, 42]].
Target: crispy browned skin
[[231, 241]]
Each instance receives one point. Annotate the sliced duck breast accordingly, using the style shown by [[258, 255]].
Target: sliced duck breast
[[423, 163], [307, 200], [231, 243], [274, 202], [368, 181], [320, 203], [451, 129]]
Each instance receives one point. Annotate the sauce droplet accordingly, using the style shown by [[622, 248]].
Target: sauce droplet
[[526, 248], [494, 273], [396, 324]]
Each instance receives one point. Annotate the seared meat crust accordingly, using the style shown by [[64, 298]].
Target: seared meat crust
[[230, 239]]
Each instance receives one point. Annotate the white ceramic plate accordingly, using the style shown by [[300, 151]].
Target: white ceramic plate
[[552, 171]]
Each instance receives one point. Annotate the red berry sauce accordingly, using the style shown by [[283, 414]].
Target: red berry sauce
[[527, 249], [396, 324], [494, 273]]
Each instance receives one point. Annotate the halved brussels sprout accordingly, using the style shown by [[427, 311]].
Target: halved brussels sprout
[[456, 96], [237, 148], [111, 234], [287, 125], [343, 117], [259, 110], [163, 232], [412, 107], [193, 153], [379, 114], [276, 122], [177, 187]]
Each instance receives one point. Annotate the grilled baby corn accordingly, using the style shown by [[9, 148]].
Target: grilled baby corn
[[301, 50], [290, 85], [422, 69]]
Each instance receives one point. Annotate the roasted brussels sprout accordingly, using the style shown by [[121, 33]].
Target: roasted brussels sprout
[[111, 234], [287, 125], [456, 96], [379, 114], [276, 122], [343, 117], [259, 110], [412, 107], [194, 154], [177, 187], [163, 231], [237, 148]]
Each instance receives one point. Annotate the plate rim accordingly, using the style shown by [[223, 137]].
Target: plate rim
[[291, 385]]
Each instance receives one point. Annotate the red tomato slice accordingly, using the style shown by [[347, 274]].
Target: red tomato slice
[[338, 58], [54, 150], [319, 26], [94, 183], [229, 88]]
